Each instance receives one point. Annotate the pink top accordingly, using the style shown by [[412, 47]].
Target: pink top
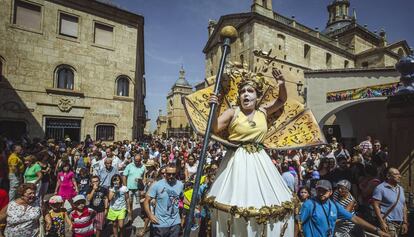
[[66, 188], [172, 157]]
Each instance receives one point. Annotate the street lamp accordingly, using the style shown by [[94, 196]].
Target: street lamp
[[301, 91]]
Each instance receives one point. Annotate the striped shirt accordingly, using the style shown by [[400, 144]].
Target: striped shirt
[[344, 226], [365, 146], [82, 222]]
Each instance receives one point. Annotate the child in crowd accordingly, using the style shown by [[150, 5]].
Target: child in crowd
[[66, 184], [98, 201], [82, 218], [119, 203], [55, 219], [83, 181], [304, 194]]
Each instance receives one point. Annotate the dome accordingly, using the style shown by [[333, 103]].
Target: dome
[[181, 81], [336, 26]]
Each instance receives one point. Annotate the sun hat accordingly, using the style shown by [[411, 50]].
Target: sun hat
[[78, 198], [55, 199], [150, 163]]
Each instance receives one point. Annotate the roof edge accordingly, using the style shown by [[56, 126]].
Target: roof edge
[[103, 10], [351, 70]]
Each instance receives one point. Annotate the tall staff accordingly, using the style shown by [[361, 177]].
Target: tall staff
[[228, 35]]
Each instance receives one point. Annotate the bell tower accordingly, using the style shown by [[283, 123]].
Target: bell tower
[[338, 14], [263, 7], [177, 124]]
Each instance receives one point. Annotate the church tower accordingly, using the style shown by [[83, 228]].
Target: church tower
[[263, 7], [338, 15], [177, 122]]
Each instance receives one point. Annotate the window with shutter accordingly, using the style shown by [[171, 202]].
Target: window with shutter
[[103, 35], [68, 25], [27, 15]]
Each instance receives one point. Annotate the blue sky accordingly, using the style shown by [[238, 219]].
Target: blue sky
[[176, 32]]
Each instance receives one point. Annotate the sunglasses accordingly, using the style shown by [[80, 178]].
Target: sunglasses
[[169, 174]]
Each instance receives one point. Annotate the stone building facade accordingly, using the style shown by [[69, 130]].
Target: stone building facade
[[177, 122], [161, 130], [295, 48], [71, 68]]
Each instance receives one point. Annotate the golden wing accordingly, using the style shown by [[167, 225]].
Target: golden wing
[[197, 110], [284, 127], [301, 131]]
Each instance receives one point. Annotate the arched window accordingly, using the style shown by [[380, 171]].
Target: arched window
[[65, 78], [328, 60], [122, 86]]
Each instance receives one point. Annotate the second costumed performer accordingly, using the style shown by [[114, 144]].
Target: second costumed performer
[[249, 196]]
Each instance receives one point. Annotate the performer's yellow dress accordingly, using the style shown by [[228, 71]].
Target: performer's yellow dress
[[248, 182]]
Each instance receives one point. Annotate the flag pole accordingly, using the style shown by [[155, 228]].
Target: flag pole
[[228, 35]]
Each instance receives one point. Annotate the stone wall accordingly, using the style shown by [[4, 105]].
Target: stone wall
[[33, 56], [361, 44]]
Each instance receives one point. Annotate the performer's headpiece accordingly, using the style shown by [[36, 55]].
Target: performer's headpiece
[[253, 80]]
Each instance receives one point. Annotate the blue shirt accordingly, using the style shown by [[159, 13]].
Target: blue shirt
[[314, 220], [205, 213], [132, 172], [105, 176], [167, 198], [289, 180], [387, 195]]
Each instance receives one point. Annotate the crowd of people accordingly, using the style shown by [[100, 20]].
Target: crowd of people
[[51, 187]]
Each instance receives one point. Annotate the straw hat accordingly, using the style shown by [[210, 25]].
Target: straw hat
[[150, 163], [55, 199]]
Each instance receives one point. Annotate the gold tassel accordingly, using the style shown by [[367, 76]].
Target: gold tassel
[[264, 230], [283, 230], [229, 228]]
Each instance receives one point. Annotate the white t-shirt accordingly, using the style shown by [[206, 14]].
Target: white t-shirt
[[191, 169]]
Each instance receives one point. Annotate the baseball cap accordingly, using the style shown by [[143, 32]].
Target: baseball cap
[[325, 184], [78, 198], [315, 175], [345, 183]]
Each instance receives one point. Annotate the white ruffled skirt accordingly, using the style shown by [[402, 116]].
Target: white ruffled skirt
[[249, 180]]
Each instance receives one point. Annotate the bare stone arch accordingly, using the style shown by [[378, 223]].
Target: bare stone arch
[[347, 105]]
